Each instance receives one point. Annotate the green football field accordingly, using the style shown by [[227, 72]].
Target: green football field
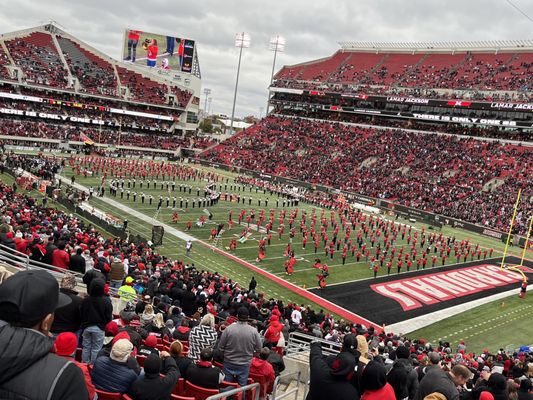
[[463, 326]]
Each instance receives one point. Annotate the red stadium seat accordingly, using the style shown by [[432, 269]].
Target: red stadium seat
[[102, 395], [263, 384], [140, 360], [198, 392], [176, 397], [180, 387]]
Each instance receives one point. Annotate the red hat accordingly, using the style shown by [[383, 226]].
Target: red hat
[[66, 344], [120, 335], [111, 328], [150, 341]]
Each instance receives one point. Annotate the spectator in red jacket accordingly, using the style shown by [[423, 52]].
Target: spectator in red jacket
[[65, 346], [260, 366], [60, 258], [273, 332]]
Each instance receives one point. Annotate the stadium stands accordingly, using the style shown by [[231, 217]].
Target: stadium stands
[[37, 56], [4, 61], [446, 176], [462, 71], [95, 75]]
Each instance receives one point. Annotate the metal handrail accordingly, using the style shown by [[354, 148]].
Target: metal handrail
[[300, 342], [223, 395], [292, 391]]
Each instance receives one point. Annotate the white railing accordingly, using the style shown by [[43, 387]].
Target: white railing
[[300, 343], [243, 389]]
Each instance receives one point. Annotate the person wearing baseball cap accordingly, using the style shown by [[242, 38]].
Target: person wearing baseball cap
[[28, 369], [239, 342]]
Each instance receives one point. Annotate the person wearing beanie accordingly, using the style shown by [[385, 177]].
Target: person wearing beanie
[[433, 360], [203, 373], [149, 346], [68, 318], [153, 386], [65, 346], [403, 377], [374, 385], [239, 342], [111, 373], [331, 381]]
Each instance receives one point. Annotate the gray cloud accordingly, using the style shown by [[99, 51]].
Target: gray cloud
[[312, 30]]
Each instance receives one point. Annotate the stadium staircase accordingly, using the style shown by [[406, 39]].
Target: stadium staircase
[[65, 63]]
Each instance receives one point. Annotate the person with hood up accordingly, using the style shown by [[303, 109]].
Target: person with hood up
[[374, 384], [403, 377], [153, 386], [28, 368], [273, 332], [96, 311], [331, 382]]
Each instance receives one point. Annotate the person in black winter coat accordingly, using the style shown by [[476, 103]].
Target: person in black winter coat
[[403, 377], [203, 373], [68, 318], [153, 386], [77, 262], [524, 391], [28, 368], [188, 302], [92, 274], [496, 385], [112, 373], [331, 382], [7, 240], [96, 312]]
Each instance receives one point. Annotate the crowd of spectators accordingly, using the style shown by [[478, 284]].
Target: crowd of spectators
[[113, 136], [182, 322], [447, 175], [450, 128]]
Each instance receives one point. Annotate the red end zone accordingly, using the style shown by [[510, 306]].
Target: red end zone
[[415, 292]]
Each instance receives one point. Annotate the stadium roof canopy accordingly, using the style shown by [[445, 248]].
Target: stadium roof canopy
[[484, 46]]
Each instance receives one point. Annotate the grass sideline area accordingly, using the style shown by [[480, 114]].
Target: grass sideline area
[[501, 323], [207, 259]]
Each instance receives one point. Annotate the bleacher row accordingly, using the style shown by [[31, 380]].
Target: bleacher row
[[466, 71], [38, 57], [447, 175]]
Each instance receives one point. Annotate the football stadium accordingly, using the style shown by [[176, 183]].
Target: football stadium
[[369, 237]]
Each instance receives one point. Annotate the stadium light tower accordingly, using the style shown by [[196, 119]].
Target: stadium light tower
[[207, 92], [277, 43], [242, 40]]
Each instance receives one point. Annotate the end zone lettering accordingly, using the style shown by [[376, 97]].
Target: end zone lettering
[[428, 289]]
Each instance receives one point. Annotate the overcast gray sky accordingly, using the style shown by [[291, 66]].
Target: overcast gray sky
[[312, 29]]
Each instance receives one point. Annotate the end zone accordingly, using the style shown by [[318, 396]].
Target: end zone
[[397, 298]]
